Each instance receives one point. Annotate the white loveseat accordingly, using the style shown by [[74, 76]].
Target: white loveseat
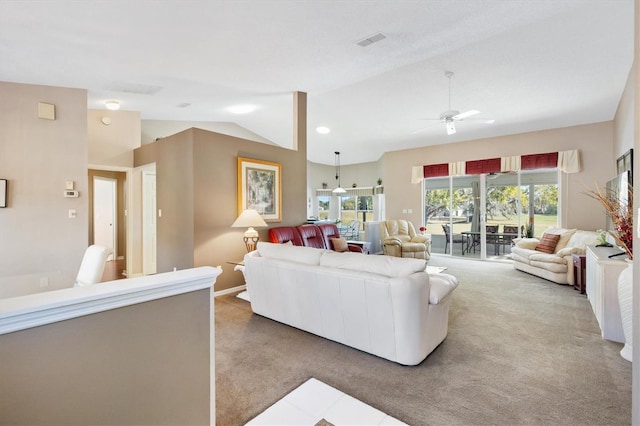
[[386, 306], [556, 266]]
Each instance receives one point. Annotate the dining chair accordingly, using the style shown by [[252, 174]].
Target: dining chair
[[507, 240], [492, 238], [457, 238]]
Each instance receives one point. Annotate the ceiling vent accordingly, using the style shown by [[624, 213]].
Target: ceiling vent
[[371, 39], [136, 88]]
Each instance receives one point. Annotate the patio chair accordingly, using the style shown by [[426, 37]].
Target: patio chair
[[353, 230], [457, 238]]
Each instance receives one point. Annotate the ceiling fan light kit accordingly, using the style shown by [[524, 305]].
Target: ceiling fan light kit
[[451, 128], [450, 116]]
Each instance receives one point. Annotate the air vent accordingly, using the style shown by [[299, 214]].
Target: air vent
[[371, 39], [139, 89]]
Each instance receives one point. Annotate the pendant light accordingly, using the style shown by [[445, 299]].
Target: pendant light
[[339, 189]]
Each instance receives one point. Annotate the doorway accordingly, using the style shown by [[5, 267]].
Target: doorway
[[104, 214]]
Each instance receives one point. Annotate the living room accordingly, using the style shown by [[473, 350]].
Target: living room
[[39, 156]]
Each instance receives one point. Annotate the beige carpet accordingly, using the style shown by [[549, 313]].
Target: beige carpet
[[520, 350]]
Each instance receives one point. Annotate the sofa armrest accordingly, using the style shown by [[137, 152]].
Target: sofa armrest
[[568, 251], [441, 286], [354, 248], [526, 243], [392, 241], [420, 239]]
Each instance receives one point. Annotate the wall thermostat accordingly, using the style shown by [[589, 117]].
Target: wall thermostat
[[71, 194]]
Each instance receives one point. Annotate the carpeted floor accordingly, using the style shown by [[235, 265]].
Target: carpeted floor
[[520, 350]]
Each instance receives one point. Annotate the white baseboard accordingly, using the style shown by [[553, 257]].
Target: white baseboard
[[229, 290]]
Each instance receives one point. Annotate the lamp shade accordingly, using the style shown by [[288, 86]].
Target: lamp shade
[[249, 218]]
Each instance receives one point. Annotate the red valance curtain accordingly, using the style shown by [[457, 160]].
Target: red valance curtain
[[491, 165], [566, 161], [539, 161], [436, 170]]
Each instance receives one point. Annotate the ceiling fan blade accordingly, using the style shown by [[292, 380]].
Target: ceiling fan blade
[[466, 114], [481, 120], [451, 127]]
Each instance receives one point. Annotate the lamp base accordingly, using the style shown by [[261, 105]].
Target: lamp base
[[250, 243]]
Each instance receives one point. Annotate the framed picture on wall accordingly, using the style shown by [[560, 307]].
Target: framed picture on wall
[[3, 193], [625, 162], [260, 188]]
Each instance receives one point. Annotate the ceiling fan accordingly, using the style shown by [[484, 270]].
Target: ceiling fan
[[450, 116]]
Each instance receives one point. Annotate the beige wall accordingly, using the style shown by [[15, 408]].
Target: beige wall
[[37, 239], [142, 364], [595, 142], [363, 174], [196, 174], [112, 145]]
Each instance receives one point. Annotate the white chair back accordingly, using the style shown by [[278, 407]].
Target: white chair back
[[92, 266]]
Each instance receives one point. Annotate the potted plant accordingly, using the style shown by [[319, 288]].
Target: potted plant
[[379, 181], [324, 185]]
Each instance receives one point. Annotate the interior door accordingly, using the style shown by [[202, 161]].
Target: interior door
[[104, 213]]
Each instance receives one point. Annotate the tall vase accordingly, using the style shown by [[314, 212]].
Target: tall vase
[[625, 298]]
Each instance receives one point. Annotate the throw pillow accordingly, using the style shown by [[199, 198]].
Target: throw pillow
[[548, 243], [339, 244]]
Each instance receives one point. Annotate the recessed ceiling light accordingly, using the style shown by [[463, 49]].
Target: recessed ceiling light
[[112, 105], [242, 109], [323, 130]]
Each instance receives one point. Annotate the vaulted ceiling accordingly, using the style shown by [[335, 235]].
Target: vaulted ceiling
[[528, 65]]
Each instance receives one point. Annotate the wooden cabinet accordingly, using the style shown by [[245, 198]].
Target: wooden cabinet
[[602, 289]]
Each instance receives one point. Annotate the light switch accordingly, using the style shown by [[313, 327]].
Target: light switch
[[404, 211], [72, 214], [410, 211], [68, 184]]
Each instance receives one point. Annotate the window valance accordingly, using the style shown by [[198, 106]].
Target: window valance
[[350, 192], [566, 161]]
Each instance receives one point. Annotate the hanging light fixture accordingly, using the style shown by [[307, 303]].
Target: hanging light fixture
[[339, 189]]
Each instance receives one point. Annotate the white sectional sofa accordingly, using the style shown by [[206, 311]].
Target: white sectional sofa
[[386, 306], [556, 266]]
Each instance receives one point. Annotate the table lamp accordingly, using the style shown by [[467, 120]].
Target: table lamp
[[248, 219]]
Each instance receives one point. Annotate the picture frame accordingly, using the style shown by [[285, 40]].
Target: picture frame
[[625, 162], [260, 188], [3, 193]]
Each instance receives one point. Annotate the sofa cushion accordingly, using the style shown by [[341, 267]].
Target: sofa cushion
[[582, 239], [547, 258], [301, 254], [389, 266], [558, 268], [339, 244], [565, 235], [548, 243], [520, 255]]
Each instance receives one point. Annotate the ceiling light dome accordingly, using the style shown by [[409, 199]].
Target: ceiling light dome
[[112, 105]]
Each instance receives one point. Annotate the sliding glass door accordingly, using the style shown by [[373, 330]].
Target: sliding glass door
[[480, 215]]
